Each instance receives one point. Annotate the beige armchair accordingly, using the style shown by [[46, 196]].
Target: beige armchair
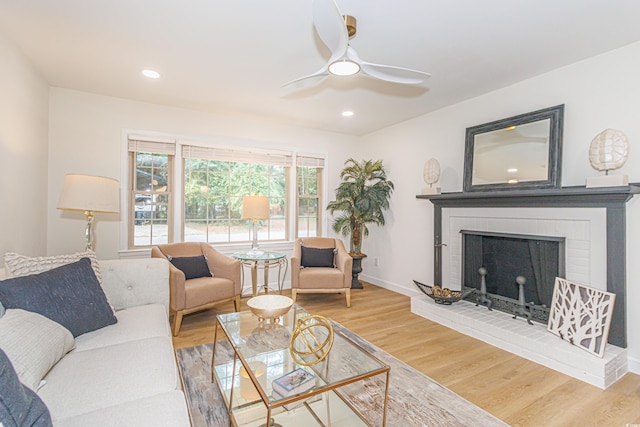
[[321, 279], [189, 296]]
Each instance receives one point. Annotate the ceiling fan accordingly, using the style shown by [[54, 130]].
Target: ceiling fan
[[335, 30]]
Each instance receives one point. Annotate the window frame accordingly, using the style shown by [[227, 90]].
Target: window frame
[[136, 145], [317, 162], [176, 203]]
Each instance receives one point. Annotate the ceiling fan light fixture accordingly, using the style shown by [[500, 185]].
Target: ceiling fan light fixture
[[344, 67]]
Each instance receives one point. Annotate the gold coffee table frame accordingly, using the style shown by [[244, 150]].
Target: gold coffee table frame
[[347, 363]]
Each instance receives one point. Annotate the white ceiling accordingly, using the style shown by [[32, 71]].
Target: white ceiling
[[232, 56]]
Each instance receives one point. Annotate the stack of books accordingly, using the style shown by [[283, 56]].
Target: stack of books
[[293, 383]]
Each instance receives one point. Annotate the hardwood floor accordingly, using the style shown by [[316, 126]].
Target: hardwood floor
[[517, 391]]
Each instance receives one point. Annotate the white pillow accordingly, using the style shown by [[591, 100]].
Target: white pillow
[[33, 343], [20, 265]]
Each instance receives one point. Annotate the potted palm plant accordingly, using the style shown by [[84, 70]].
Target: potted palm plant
[[361, 199]]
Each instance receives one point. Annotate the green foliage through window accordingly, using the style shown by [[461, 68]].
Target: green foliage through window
[[213, 193]]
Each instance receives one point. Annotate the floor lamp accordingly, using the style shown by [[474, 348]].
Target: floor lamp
[[89, 194], [255, 208]]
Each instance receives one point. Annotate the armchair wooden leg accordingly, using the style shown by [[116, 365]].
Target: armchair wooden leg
[[293, 295], [348, 296], [236, 303], [177, 322]]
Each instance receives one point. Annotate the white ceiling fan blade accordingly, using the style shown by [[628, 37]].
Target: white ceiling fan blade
[[394, 74], [330, 26], [311, 79], [332, 30], [388, 73]]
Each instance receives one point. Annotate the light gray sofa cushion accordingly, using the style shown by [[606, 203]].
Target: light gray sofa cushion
[[166, 409], [33, 343], [85, 381], [140, 322], [132, 282]]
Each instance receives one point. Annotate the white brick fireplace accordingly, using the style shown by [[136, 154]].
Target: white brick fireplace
[[592, 223], [585, 232]]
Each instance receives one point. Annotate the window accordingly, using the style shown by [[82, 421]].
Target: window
[[150, 192], [215, 181], [309, 178], [184, 192]]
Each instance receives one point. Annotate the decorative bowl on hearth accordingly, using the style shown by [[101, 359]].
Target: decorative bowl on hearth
[[443, 295], [270, 307]]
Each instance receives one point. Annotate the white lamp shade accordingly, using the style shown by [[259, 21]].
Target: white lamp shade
[[90, 193], [255, 207]]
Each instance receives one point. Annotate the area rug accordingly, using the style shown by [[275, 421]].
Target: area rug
[[414, 398]]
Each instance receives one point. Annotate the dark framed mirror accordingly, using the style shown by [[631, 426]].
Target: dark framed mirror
[[520, 152]]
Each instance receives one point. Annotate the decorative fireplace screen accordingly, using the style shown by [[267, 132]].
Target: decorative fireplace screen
[[505, 258]]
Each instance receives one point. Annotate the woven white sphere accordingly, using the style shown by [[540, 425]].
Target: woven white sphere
[[609, 150], [431, 171]]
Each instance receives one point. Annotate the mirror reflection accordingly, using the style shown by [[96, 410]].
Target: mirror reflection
[[513, 154]]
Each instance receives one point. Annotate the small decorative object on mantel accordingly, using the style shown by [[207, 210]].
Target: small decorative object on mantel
[[608, 151], [431, 174], [581, 315], [441, 295]]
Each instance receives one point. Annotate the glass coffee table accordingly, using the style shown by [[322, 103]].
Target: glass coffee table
[[261, 355]]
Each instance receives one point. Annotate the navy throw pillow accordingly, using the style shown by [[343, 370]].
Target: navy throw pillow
[[69, 295], [192, 266], [317, 257], [19, 405]]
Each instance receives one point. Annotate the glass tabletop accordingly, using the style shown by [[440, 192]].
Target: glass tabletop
[[263, 256], [265, 348]]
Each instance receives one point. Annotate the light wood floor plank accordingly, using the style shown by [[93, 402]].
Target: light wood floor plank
[[519, 392]]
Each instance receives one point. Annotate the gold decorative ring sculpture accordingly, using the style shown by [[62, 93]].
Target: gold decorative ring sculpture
[[311, 340]]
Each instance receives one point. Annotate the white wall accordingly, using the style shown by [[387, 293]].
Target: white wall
[[24, 109], [598, 93], [86, 137]]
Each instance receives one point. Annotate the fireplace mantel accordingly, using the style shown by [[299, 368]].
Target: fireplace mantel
[[613, 199], [581, 196]]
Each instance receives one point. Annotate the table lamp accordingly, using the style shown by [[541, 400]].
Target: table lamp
[[89, 194], [255, 208]]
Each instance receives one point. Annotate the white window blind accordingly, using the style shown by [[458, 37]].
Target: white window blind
[[226, 155], [310, 160], [152, 146]]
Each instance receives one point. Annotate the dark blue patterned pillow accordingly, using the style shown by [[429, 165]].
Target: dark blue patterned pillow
[[19, 405], [69, 295]]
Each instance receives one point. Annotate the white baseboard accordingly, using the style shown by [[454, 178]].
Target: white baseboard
[[634, 365], [390, 285]]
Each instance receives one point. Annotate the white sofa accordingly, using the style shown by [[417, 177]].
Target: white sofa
[[124, 374]]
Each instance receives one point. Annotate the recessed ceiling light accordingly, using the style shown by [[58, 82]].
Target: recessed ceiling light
[[512, 181], [347, 113], [512, 170], [151, 74]]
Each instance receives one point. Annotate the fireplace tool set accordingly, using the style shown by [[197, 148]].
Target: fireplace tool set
[[519, 308]]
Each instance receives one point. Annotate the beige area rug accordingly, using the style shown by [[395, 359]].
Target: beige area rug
[[414, 398]]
